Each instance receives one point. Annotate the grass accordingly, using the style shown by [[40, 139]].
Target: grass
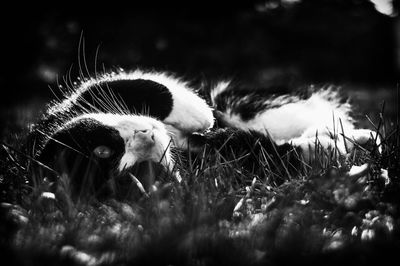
[[220, 214]]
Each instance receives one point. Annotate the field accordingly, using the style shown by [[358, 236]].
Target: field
[[338, 210]]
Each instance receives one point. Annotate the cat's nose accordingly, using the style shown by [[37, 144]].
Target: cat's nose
[[145, 136]]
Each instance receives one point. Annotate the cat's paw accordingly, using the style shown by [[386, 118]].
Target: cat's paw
[[313, 147]]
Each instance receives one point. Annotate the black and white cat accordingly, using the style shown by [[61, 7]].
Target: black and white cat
[[116, 125]]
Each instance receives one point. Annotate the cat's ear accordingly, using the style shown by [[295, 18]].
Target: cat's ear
[[47, 161], [55, 144]]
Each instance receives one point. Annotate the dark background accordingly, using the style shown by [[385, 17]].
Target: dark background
[[259, 43]]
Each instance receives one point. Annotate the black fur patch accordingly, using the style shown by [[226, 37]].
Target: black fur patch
[[246, 103], [70, 152], [141, 96]]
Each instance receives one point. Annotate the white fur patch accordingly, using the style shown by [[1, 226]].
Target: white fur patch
[[300, 118], [218, 89], [343, 143]]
